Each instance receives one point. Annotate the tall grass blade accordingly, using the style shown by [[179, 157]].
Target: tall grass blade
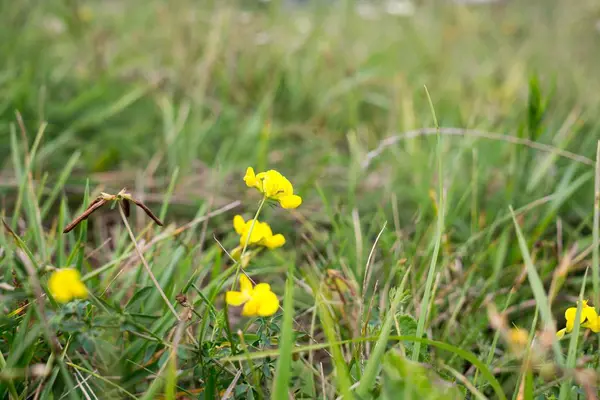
[[284, 364], [538, 289], [596, 233], [425, 306], [565, 387], [376, 358]]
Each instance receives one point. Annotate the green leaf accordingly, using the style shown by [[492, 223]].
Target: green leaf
[[138, 298]]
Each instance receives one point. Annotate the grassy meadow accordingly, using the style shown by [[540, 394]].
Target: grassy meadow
[[447, 157]]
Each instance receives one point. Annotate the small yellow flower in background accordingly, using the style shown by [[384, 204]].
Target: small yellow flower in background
[[588, 319], [260, 234], [274, 186], [258, 300], [65, 285], [518, 337]]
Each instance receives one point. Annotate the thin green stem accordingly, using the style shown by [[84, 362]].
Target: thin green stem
[[145, 263], [238, 264]]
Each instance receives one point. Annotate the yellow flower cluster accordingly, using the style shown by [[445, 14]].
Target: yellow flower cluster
[[259, 300], [256, 232], [273, 186], [65, 285], [588, 319]]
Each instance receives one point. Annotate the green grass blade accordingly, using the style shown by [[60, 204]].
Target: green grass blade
[[83, 227], [464, 354], [17, 165], [60, 237], [283, 372], [329, 328], [376, 358], [565, 387], [538, 289], [425, 306], [168, 195], [58, 186], [596, 233], [492, 350], [98, 116]]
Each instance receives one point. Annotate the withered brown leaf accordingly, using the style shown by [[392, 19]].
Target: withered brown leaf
[[147, 211], [94, 205]]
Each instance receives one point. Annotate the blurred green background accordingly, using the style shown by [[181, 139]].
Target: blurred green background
[[152, 95], [144, 87]]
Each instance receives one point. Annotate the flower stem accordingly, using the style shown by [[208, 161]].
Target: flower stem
[[145, 263], [238, 264], [260, 206]]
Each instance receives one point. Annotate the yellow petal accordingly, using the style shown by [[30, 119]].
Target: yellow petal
[[265, 229], [79, 290], [570, 326], [253, 232], [54, 281], [260, 181], [268, 305], [560, 334], [261, 288], [593, 324], [589, 313], [250, 177], [245, 284], [239, 224], [275, 241], [65, 284], [271, 183], [285, 187], [584, 303], [250, 308], [235, 298], [570, 315], [289, 202], [70, 274], [62, 296]]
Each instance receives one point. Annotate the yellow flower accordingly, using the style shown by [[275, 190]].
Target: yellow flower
[[65, 285], [593, 324], [274, 186], [260, 234], [258, 300], [588, 319], [518, 337]]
